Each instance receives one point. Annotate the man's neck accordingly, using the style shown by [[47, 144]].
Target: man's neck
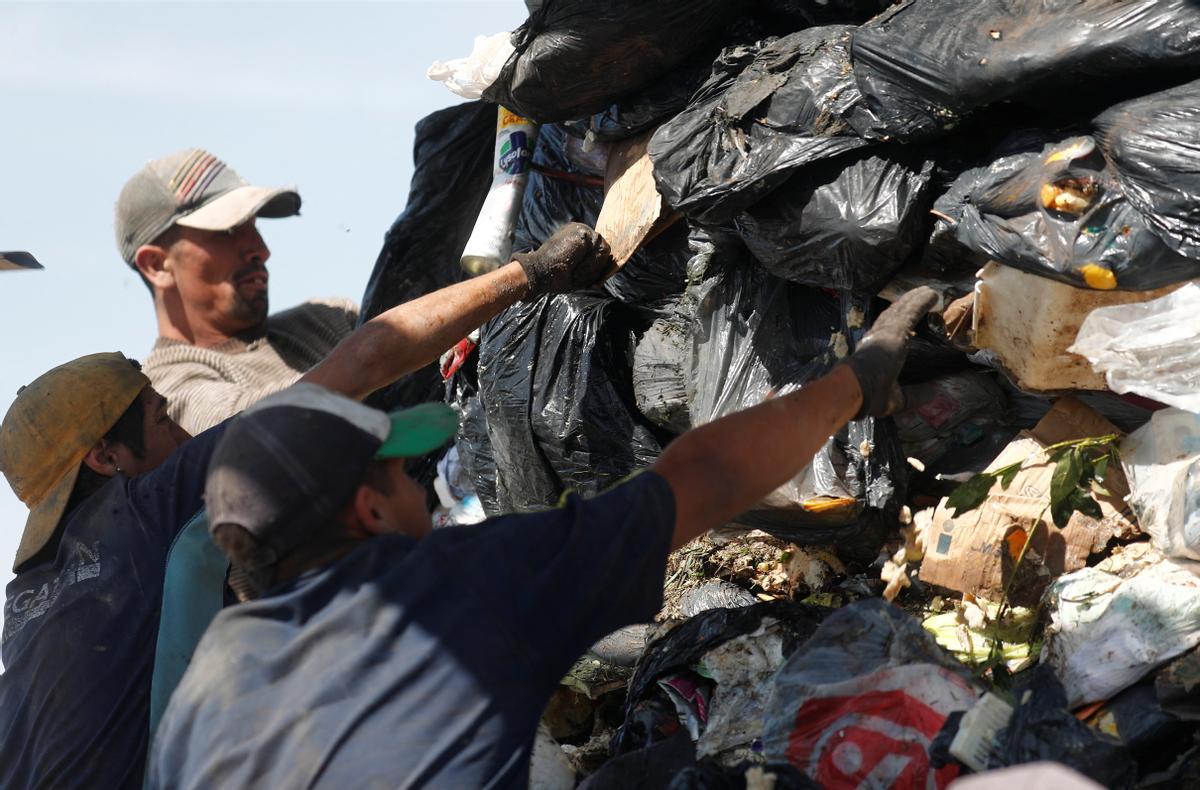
[[175, 324]]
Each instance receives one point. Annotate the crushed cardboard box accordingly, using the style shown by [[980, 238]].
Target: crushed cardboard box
[[976, 552]]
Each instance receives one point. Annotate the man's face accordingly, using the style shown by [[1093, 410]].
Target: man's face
[[162, 437], [221, 277], [403, 508]]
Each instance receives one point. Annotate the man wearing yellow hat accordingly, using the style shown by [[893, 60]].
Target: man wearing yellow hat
[[110, 479]]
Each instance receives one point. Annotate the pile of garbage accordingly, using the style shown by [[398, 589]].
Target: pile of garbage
[[1008, 570]]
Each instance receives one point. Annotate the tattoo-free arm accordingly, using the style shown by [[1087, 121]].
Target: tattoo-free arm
[[724, 467], [411, 335]]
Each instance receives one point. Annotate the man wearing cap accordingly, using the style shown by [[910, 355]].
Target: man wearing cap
[[110, 479], [186, 224], [384, 654]]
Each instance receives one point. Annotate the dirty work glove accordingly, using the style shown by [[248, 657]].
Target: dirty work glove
[[877, 360], [573, 258]]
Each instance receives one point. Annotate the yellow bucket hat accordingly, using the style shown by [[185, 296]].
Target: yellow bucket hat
[[51, 426]]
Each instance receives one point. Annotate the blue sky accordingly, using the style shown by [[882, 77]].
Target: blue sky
[[320, 95]]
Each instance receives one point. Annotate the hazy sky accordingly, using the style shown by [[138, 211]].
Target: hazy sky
[[320, 95]]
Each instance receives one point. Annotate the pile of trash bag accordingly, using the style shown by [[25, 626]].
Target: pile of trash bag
[[1004, 572]]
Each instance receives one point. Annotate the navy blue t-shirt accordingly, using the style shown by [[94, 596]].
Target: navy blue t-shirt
[[80, 630], [416, 663]]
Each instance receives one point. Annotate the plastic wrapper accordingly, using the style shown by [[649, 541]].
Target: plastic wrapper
[[849, 223], [948, 413], [1148, 348], [453, 171], [1061, 212], [1161, 460], [860, 703], [469, 77], [1110, 626], [755, 335], [765, 111], [925, 65], [574, 58]]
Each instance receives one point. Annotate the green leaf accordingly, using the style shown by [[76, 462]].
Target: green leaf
[[1086, 505], [1008, 474], [971, 494], [1101, 467], [1057, 455], [1061, 513], [1065, 479]]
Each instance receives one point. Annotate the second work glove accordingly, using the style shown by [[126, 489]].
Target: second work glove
[[877, 360], [574, 257]]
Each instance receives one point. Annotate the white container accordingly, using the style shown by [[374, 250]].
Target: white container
[[491, 241]]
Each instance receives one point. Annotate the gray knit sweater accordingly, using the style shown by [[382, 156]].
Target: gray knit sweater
[[204, 386]]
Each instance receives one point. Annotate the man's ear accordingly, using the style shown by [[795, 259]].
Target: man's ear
[[101, 460], [368, 511], [151, 261]]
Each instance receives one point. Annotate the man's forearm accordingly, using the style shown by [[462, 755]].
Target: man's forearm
[[413, 334], [724, 467]]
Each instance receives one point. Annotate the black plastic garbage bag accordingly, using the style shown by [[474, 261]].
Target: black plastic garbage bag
[[472, 441], [1154, 145], [654, 273], [1061, 212], [576, 57], [796, 14], [848, 223], [554, 379], [926, 64], [861, 702], [754, 335], [765, 111], [1042, 728], [453, 172]]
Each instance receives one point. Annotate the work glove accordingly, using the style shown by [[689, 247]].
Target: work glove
[[877, 361], [574, 257]]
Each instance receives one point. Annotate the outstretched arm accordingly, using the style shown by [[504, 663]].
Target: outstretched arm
[[413, 334], [721, 469]]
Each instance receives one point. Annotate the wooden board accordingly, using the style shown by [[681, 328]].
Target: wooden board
[[633, 212]]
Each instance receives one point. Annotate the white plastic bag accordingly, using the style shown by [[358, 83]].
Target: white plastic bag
[[469, 77], [1162, 463], [1150, 348], [1107, 632]]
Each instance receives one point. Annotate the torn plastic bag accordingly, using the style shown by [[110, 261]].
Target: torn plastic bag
[[452, 173], [1148, 348], [1177, 686], [1161, 460], [1043, 728], [1061, 213], [924, 65], [755, 335], [849, 223], [1107, 632], [576, 57], [797, 14], [1152, 143], [654, 273], [469, 77], [860, 703], [1136, 718], [947, 413], [766, 110], [686, 644], [716, 594]]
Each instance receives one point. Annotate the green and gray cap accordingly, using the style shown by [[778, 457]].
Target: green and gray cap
[[194, 189]]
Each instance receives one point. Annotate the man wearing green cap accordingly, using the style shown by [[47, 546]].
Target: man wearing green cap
[[384, 654], [110, 479], [186, 224]]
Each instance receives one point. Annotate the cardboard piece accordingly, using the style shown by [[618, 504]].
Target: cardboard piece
[[976, 552], [633, 212]]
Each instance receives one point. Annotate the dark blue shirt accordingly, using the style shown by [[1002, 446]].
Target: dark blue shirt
[[80, 629], [413, 663]]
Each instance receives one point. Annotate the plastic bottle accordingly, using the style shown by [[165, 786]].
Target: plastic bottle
[[491, 240]]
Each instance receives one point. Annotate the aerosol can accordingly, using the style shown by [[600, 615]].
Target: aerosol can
[[491, 240]]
